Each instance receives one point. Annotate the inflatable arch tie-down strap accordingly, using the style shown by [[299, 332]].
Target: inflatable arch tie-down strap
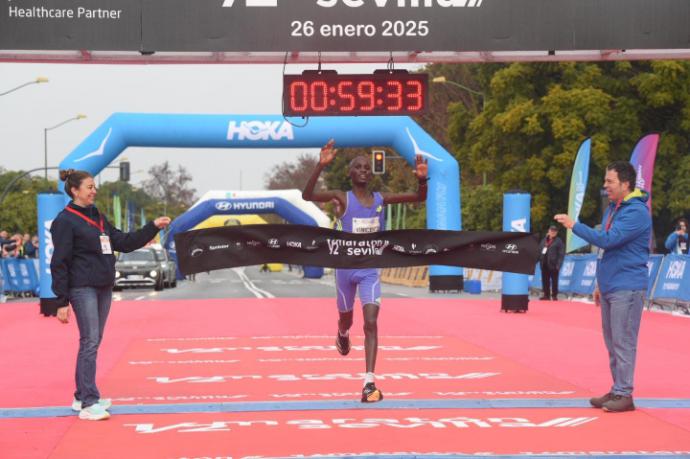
[[407, 138]]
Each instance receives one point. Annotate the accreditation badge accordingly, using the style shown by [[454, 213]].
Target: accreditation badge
[[600, 254], [105, 245]]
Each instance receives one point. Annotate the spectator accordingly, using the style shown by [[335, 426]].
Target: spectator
[[552, 254], [677, 241], [10, 246], [31, 247], [19, 241]]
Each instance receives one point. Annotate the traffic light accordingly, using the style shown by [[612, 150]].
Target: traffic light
[[124, 171], [378, 162]]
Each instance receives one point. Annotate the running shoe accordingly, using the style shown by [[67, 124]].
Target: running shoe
[[342, 343], [370, 394], [104, 402], [94, 412]]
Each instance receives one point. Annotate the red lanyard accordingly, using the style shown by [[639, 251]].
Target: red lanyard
[[88, 220], [609, 222]]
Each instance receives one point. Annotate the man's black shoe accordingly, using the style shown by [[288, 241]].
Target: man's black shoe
[[370, 394], [598, 402], [342, 344], [619, 404], [544, 298]]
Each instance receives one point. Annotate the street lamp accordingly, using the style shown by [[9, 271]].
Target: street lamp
[[45, 140], [36, 81], [442, 79]]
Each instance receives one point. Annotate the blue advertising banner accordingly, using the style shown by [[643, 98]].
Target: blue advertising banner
[[584, 274], [516, 218], [653, 265], [565, 276], [49, 205], [578, 187], [674, 278], [19, 275], [535, 279]]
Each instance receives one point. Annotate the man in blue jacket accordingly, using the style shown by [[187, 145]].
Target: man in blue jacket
[[622, 276]]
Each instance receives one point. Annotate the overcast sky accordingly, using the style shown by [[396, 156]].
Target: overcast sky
[[99, 90]]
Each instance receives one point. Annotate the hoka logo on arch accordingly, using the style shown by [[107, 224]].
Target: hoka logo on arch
[[260, 130]]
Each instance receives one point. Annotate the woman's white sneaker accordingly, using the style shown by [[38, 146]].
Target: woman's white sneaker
[[104, 402], [94, 412]]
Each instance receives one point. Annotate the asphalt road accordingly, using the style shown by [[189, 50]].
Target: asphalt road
[[250, 283]]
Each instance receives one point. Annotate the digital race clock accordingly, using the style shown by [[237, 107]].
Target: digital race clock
[[325, 93]]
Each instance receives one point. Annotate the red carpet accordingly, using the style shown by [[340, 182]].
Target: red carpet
[[249, 350]]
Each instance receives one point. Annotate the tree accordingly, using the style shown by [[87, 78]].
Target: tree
[[288, 175], [170, 188], [536, 114], [18, 209], [128, 193]]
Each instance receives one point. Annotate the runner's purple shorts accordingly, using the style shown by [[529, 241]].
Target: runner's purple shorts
[[348, 280]]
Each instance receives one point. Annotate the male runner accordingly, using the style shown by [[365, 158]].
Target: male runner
[[361, 211]]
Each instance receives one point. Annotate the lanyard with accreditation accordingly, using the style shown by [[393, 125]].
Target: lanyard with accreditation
[[609, 223], [105, 240]]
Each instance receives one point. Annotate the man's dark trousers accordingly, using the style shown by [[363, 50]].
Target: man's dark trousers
[[549, 282]]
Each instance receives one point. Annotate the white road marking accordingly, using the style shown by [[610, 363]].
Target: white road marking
[[249, 285]]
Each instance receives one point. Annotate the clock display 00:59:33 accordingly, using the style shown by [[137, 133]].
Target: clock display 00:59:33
[[328, 94]]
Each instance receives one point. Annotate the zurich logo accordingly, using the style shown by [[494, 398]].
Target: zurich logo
[[223, 205], [519, 225]]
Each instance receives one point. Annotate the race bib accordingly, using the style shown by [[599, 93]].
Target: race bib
[[105, 245], [366, 225]]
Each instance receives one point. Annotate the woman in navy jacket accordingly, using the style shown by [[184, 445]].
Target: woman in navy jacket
[[83, 270]]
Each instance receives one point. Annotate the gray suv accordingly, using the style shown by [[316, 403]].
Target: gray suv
[[139, 269]]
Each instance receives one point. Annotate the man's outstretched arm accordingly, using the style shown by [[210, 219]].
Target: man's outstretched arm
[[421, 172], [326, 156]]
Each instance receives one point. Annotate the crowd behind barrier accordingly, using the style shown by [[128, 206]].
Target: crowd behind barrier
[[18, 265]]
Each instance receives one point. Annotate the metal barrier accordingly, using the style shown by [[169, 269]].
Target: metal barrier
[[669, 277], [19, 276], [673, 279], [415, 276]]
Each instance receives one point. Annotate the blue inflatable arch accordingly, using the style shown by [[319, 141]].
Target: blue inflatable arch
[[407, 138], [286, 203]]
